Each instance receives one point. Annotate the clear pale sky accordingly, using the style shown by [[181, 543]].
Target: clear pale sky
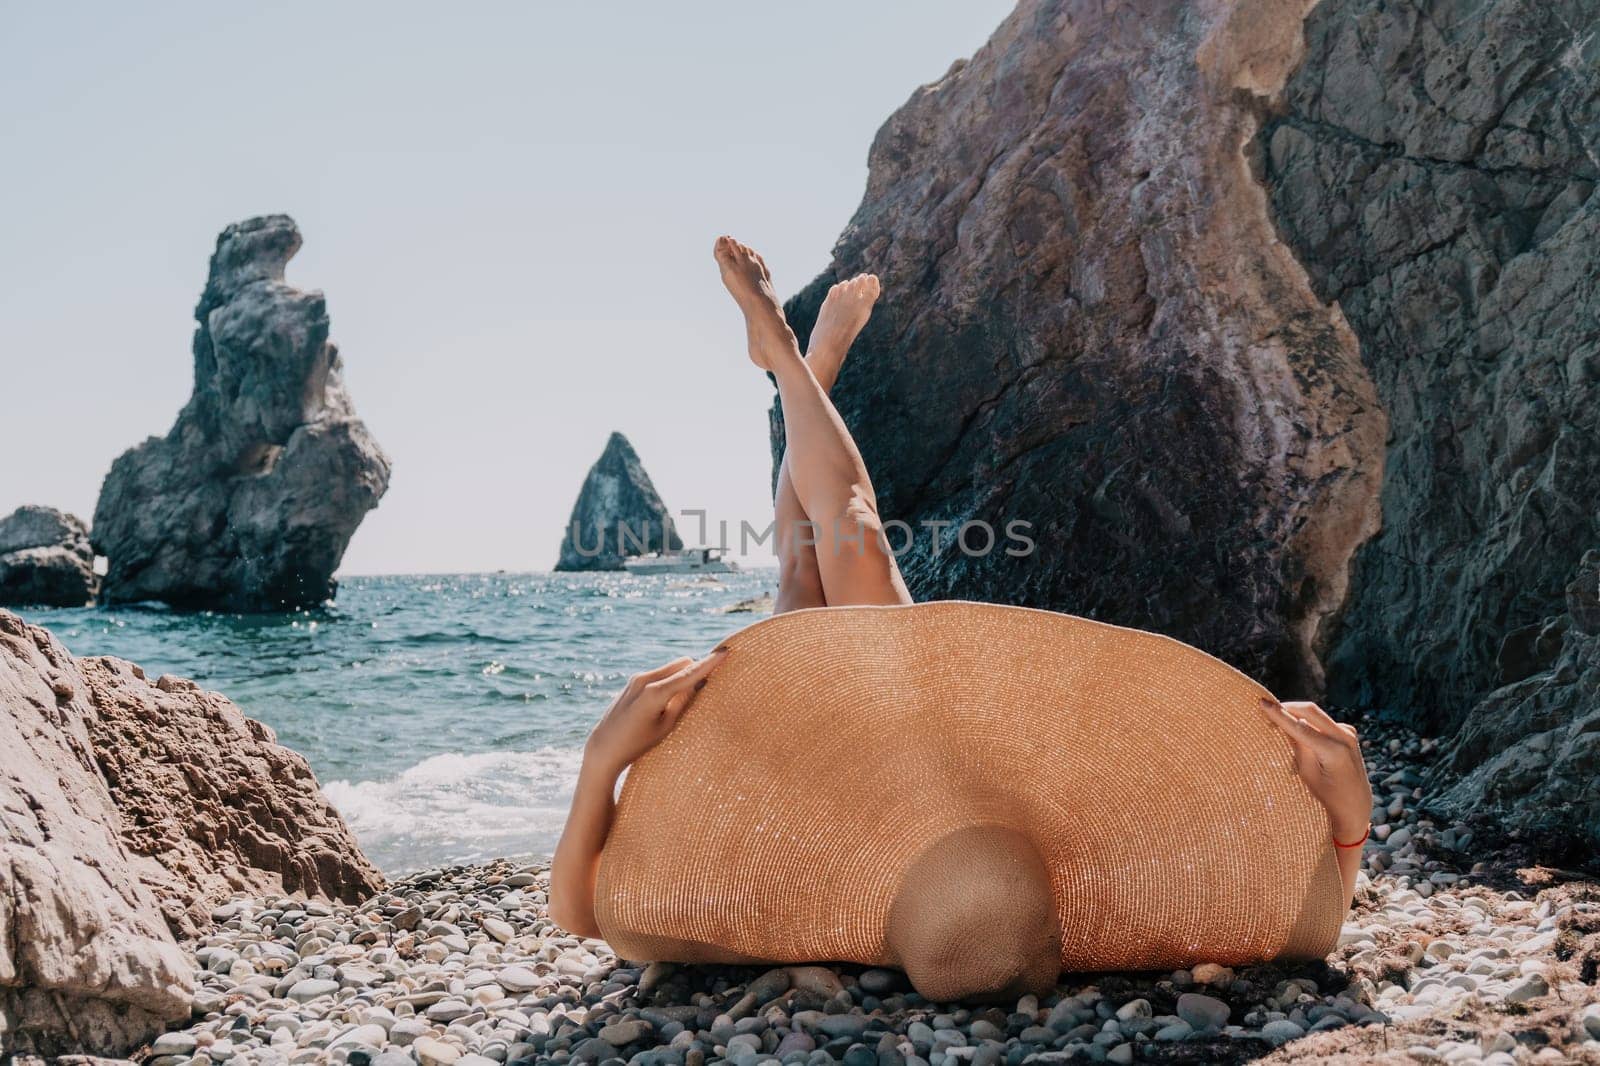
[[510, 208]]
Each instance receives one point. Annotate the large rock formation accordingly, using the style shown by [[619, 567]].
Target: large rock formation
[[211, 803], [1286, 338], [1088, 324], [1527, 757], [1434, 170], [618, 514], [249, 501], [127, 810], [45, 559], [86, 961]]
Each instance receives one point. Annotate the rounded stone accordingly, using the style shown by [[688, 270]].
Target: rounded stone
[[430, 1051], [1202, 1011], [1281, 1032], [1134, 1008], [312, 988]]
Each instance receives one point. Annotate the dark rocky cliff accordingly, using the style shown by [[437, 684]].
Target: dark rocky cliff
[[1281, 325], [1434, 170], [618, 514]]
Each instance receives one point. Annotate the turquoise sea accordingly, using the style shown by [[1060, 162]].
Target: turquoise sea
[[444, 715]]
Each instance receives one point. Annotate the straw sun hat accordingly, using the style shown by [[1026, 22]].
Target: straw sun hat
[[981, 795]]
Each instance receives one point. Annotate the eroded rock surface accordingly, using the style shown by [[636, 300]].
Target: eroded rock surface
[[127, 810], [1435, 171], [46, 559], [1089, 325], [210, 801], [249, 501], [1527, 756], [618, 514], [86, 961]]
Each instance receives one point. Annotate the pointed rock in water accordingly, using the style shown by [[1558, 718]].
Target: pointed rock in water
[[45, 559], [249, 500], [134, 808], [618, 514]]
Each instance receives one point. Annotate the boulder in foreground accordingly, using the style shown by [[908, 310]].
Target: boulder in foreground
[[46, 559], [1089, 325], [248, 503], [127, 811]]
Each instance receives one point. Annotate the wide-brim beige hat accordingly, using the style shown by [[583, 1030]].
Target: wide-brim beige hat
[[835, 748]]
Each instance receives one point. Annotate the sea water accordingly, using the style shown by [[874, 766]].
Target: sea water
[[444, 715]]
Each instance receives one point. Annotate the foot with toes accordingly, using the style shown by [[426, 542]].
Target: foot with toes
[[844, 312], [745, 274]]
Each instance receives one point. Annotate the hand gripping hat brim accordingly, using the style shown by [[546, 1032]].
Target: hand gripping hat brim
[[782, 817]]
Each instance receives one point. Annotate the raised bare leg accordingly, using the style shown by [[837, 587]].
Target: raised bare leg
[[825, 468], [799, 577], [844, 312]]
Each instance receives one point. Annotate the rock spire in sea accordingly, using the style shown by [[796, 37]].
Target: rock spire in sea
[[618, 514], [249, 500]]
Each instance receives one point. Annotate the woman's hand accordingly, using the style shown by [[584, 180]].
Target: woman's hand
[[646, 711], [1328, 756], [639, 717]]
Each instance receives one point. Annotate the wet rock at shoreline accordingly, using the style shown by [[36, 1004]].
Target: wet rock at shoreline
[[618, 514], [128, 811], [248, 502], [210, 800], [46, 559]]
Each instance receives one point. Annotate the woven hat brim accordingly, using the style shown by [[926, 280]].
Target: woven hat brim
[[777, 821]]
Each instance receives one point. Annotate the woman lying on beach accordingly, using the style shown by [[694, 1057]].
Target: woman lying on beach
[[832, 554]]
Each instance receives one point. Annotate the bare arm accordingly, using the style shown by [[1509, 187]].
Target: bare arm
[[1328, 757], [577, 858], [642, 714]]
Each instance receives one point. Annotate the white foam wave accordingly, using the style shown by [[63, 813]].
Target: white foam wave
[[454, 808]]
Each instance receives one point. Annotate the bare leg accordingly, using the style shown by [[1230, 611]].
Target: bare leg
[[799, 578], [825, 468], [845, 310]]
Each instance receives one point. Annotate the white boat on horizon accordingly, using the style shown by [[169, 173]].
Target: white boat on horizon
[[687, 561]]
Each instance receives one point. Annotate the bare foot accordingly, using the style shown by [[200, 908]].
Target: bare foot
[[844, 311], [745, 274]]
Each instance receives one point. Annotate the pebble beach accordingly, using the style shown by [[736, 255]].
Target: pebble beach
[[1451, 954]]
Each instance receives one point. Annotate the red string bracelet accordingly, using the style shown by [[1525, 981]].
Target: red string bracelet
[[1354, 843]]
